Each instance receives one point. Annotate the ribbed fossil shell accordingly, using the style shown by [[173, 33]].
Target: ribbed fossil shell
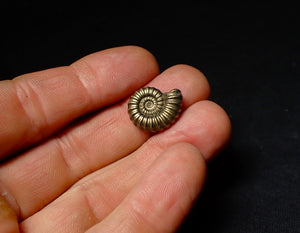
[[152, 110]]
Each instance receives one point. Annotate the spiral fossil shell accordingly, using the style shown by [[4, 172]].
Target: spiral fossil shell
[[152, 110]]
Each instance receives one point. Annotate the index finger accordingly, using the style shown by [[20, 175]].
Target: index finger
[[36, 105]]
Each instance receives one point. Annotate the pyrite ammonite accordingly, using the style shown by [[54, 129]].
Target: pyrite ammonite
[[152, 110]]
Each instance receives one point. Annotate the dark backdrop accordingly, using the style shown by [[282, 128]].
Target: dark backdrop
[[249, 54]]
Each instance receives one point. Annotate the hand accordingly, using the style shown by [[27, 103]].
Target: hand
[[62, 172]]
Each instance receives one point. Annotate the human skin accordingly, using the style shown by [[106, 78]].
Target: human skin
[[74, 162]]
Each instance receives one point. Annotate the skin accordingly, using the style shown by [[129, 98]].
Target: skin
[[100, 173]]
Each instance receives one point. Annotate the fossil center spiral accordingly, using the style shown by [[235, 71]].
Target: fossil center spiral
[[148, 106]]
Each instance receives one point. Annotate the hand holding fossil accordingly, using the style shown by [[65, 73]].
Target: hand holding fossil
[[72, 161]]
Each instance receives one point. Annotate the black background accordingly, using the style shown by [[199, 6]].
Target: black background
[[250, 55]]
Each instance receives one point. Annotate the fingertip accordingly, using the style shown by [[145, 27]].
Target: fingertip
[[145, 57], [191, 81], [187, 154], [164, 195], [129, 56], [218, 126], [139, 54], [189, 162], [170, 187], [199, 79], [205, 125]]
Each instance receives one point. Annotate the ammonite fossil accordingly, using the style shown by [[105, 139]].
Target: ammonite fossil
[[152, 110]]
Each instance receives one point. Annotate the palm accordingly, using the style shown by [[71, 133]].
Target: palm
[[101, 173]]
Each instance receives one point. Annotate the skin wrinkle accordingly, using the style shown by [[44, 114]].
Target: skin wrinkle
[[141, 217], [81, 190], [112, 123], [44, 177], [69, 142], [88, 74], [66, 144], [34, 110], [92, 214], [24, 92], [59, 147], [118, 60], [89, 192]]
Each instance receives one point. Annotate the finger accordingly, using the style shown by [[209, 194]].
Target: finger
[[8, 219], [35, 105], [157, 203], [163, 197], [96, 195], [208, 133], [47, 171]]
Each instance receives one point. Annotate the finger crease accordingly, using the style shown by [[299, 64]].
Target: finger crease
[[70, 148], [81, 77], [90, 208], [139, 214], [94, 190], [24, 93]]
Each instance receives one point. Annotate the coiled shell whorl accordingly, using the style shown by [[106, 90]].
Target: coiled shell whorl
[[152, 110]]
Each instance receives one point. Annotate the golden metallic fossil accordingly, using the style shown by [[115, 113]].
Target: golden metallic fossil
[[152, 110]]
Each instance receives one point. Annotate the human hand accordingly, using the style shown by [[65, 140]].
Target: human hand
[[100, 173]]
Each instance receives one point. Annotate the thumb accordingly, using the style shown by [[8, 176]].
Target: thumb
[[163, 197]]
